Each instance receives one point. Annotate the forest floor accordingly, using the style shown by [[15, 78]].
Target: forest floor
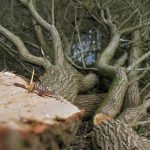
[[82, 140]]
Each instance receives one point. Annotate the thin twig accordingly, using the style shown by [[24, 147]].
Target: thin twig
[[144, 88], [142, 58], [81, 46], [140, 123], [138, 69], [126, 20], [53, 15], [87, 51], [78, 67], [22, 49], [137, 79], [146, 97], [131, 29]]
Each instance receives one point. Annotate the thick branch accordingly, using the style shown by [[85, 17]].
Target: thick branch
[[89, 103], [41, 40], [88, 82], [132, 96], [121, 61], [109, 52], [112, 104], [24, 53], [57, 44], [115, 135]]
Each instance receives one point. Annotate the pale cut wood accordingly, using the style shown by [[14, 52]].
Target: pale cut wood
[[25, 112]]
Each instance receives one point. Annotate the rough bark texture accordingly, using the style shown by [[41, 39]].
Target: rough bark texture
[[133, 97], [68, 81], [114, 135], [110, 50], [112, 104], [89, 103], [61, 77], [64, 80]]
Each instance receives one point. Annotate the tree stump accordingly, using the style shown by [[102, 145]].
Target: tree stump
[[30, 121]]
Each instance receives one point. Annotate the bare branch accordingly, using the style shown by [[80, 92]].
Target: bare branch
[[131, 29], [138, 78], [98, 5], [78, 67], [53, 18], [104, 18], [139, 69], [57, 44], [93, 15], [41, 40], [107, 19], [134, 114], [114, 100], [127, 19], [10, 52], [146, 97], [121, 61], [86, 52], [142, 58], [144, 88], [140, 123], [110, 50], [24, 53], [108, 13], [81, 46]]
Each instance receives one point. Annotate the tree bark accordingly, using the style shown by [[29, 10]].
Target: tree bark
[[113, 102], [62, 78], [89, 103], [114, 135], [133, 96]]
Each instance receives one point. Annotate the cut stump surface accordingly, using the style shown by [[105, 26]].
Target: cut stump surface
[[53, 120]]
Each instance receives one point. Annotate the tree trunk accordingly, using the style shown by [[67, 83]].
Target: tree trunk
[[114, 135], [133, 97]]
